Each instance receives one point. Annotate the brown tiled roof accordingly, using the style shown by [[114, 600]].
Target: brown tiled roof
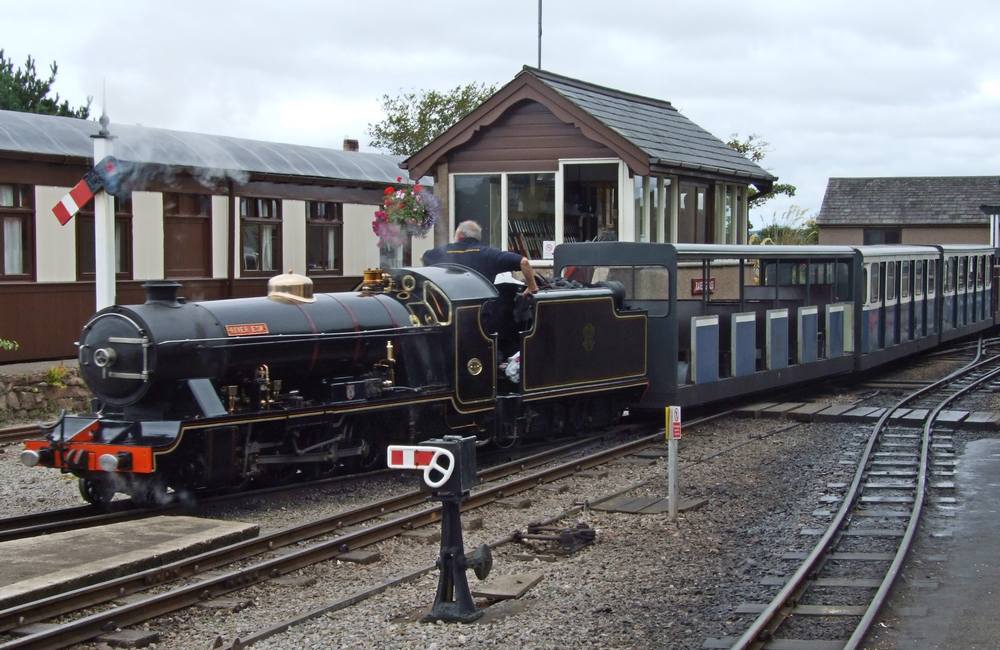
[[926, 200]]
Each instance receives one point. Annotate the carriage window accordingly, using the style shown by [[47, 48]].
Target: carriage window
[[979, 272], [970, 272], [874, 283], [931, 277], [988, 271], [649, 285], [864, 299], [961, 274], [904, 275], [918, 278], [890, 281]]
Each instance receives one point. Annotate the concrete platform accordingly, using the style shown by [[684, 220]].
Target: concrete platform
[[36, 567], [977, 420]]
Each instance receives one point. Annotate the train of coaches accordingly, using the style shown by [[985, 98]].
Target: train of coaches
[[196, 395]]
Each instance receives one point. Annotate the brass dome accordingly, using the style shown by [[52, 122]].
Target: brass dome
[[290, 287]]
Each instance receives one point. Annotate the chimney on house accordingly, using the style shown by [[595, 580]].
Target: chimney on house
[[350, 144]]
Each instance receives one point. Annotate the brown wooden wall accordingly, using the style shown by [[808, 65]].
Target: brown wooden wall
[[527, 138], [46, 318]]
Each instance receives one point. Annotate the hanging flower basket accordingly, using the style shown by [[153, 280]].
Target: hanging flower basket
[[408, 210]]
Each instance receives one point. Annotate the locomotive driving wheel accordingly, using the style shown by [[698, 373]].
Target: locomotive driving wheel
[[98, 491]]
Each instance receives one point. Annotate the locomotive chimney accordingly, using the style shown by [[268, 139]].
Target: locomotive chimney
[[350, 144], [161, 292]]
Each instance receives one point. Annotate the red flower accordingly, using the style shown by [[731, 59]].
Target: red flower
[[388, 190], [418, 187], [399, 179]]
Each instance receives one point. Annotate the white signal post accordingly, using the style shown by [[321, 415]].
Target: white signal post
[[673, 434], [104, 227]]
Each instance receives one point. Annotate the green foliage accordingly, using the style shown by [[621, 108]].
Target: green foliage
[[791, 227], [8, 345], [415, 118], [56, 376], [755, 148], [21, 89]]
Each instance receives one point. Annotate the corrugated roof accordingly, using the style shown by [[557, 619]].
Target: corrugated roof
[[30, 133], [654, 126], [926, 200]]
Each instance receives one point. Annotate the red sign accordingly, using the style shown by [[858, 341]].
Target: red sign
[[677, 429], [698, 286], [246, 329], [673, 424]]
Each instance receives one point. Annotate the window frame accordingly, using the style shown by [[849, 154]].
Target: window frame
[[179, 215], [251, 216], [23, 210], [123, 219], [324, 225]]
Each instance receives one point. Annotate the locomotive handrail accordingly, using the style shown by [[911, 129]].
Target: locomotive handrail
[[237, 341]]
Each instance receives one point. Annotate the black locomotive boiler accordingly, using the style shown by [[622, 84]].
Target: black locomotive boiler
[[193, 395]]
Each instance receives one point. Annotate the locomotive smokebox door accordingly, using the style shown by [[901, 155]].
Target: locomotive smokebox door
[[463, 475]]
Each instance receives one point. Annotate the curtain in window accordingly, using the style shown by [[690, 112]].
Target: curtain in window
[[13, 256], [118, 248], [6, 196], [331, 248], [267, 249]]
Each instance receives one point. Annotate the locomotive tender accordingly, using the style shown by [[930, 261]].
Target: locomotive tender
[[194, 395]]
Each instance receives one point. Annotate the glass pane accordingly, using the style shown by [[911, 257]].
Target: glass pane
[[119, 251], [268, 240], [477, 198], [531, 212], [13, 255], [904, 289], [590, 202], [251, 247], [6, 196]]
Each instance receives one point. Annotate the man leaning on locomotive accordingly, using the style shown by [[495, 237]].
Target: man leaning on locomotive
[[467, 250]]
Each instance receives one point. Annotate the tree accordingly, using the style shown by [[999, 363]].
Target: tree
[[21, 89], [415, 118], [791, 227], [755, 148]]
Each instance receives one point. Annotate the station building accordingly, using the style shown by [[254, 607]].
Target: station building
[[549, 159], [909, 210], [219, 214]]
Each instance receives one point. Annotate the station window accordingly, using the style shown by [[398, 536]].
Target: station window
[[260, 235], [890, 281], [531, 213], [16, 219], [187, 235], [904, 276], [325, 237], [590, 202], [123, 240], [477, 197]]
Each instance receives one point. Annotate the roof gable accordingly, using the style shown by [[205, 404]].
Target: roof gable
[[643, 131], [928, 200]]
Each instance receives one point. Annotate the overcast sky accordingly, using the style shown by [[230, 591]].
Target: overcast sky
[[838, 88]]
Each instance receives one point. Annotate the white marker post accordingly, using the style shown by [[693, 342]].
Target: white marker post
[[673, 434], [104, 228]]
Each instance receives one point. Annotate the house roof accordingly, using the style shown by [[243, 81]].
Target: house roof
[[926, 200], [654, 126], [647, 133], [47, 135]]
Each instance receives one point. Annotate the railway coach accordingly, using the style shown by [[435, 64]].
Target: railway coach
[[732, 320]]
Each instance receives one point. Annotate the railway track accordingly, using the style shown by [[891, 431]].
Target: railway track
[[90, 626], [887, 494], [18, 433]]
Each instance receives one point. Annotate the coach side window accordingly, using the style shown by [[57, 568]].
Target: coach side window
[[864, 300], [890, 281], [904, 289], [16, 220], [961, 274], [980, 265], [918, 278], [931, 276], [874, 283]]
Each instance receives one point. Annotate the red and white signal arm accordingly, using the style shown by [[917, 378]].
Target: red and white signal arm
[[428, 459], [673, 428]]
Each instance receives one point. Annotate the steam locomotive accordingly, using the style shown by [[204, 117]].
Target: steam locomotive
[[194, 395]]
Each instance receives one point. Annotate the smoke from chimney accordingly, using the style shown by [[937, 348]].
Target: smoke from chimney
[[350, 144]]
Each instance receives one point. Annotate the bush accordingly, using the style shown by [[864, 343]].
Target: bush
[[55, 376], [8, 345]]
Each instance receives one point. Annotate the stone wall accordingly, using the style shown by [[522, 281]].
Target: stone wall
[[41, 394]]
